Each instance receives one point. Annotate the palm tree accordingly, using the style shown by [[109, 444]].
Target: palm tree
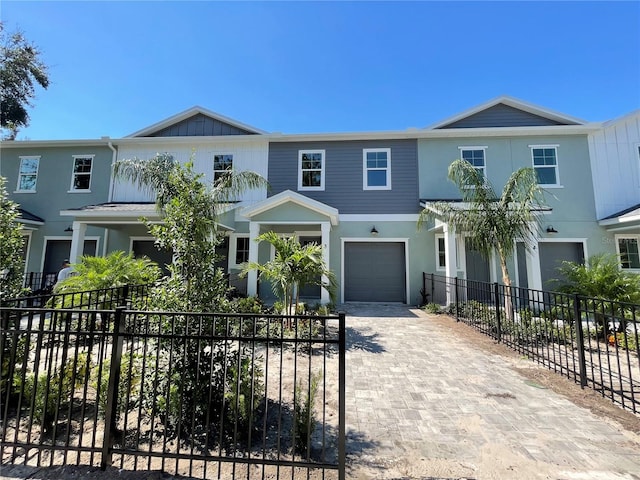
[[159, 175], [293, 267], [190, 210], [491, 222]]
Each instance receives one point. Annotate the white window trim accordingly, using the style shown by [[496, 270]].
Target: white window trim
[[622, 237], [439, 268], [322, 170], [72, 189], [27, 157], [365, 170], [548, 185], [233, 249], [484, 149], [213, 157]]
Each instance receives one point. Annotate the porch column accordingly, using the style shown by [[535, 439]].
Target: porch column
[[532, 255], [326, 230], [77, 241], [252, 276], [451, 268]]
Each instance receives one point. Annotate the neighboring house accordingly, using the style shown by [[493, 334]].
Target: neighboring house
[[615, 161], [357, 194], [44, 177], [499, 137]]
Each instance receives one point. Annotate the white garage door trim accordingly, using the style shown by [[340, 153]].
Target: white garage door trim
[[405, 241]]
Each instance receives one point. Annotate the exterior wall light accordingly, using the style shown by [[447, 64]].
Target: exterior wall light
[[550, 229], [374, 232]]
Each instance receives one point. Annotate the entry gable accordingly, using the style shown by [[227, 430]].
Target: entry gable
[[506, 112], [197, 122], [299, 204]]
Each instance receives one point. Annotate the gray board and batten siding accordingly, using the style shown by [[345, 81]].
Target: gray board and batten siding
[[503, 116], [343, 187], [200, 125]]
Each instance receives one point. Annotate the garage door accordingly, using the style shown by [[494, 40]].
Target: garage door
[[374, 272]]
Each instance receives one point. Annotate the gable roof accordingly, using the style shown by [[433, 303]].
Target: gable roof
[[506, 111], [289, 196], [171, 126]]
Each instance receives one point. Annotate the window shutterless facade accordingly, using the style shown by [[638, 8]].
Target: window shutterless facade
[[545, 163], [376, 169], [222, 166], [476, 157], [28, 174], [238, 251], [311, 167], [441, 259], [627, 246], [81, 179]]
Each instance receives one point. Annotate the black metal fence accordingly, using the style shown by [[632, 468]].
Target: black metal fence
[[201, 395], [595, 342], [40, 283], [104, 298]]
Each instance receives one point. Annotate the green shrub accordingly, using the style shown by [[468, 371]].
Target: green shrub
[[129, 382], [304, 419], [47, 390], [432, 308], [244, 393]]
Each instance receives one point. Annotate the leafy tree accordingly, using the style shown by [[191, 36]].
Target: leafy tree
[[20, 70], [601, 278], [491, 222], [190, 210], [11, 244], [293, 267]]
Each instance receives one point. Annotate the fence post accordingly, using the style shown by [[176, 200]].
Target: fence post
[[496, 292], [455, 297], [122, 301], [580, 340], [342, 441], [433, 287], [112, 390]]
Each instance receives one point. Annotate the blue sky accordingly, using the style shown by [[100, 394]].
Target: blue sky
[[293, 67]]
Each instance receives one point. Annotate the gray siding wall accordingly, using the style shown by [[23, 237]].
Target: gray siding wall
[[344, 173], [200, 126], [52, 190], [501, 116]]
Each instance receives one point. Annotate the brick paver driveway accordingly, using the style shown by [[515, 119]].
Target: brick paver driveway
[[422, 403]]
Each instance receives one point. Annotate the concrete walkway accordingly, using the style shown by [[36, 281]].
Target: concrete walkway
[[422, 403]]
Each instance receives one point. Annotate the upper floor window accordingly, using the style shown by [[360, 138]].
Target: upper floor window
[[222, 166], [28, 174], [81, 181], [377, 169], [476, 157], [545, 163], [311, 170], [629, 253]]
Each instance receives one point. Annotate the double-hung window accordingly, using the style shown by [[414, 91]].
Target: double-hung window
[[627, 246], [476, 157], [441, 254], [28, 174], [238, 251], [311, 169], [222, 166], [81, 178], [376, 169], [545, 163]]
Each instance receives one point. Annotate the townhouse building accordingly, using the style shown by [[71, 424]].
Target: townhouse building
[[359, 195]]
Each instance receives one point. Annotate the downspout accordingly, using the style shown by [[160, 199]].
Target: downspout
[[111, 187], [113, 161]]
